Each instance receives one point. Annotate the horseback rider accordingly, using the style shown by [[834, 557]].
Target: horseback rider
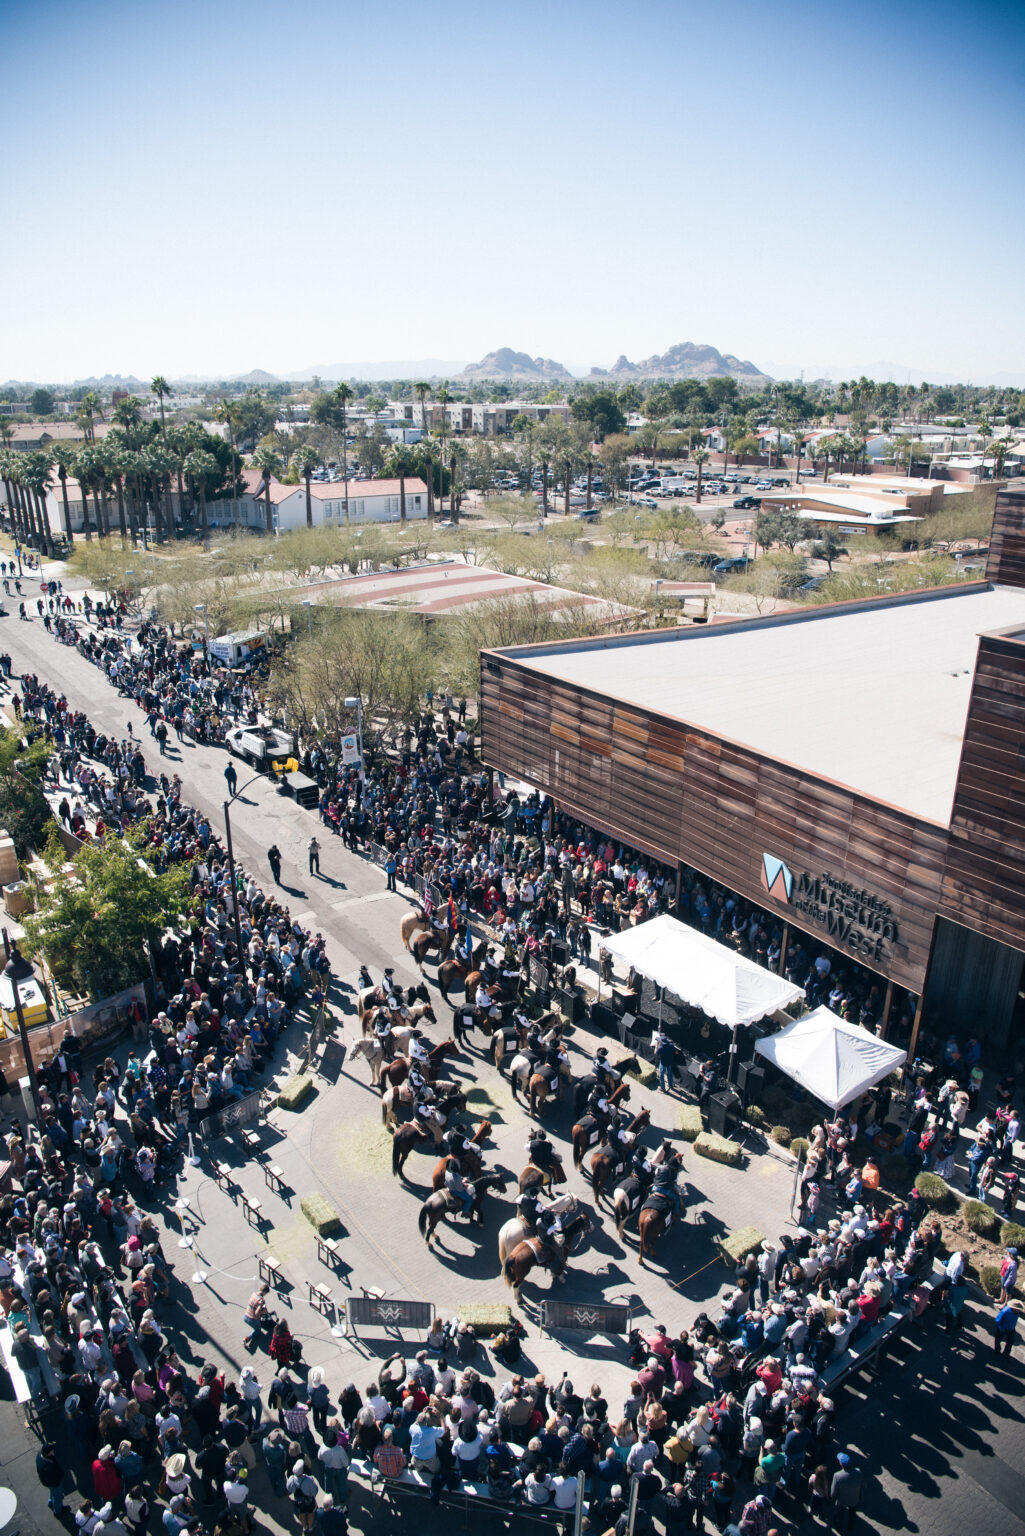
[[605, 1074], [365, 979], [387, 987], [457, 1144], [382, 1031], [417, 1081], [424, 1103], [418, 1051], [529, 1207], [457, 1185], [598, 1103], [616, 1138], [540, 1150], [549, 1229], [665, 1187]]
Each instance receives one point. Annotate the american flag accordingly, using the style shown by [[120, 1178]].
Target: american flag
[[428, 901]]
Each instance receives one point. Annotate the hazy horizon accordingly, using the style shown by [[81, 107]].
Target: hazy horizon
[[209, 189]]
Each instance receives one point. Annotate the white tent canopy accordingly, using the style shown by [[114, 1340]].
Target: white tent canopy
[[702, 972], [834, 1060]]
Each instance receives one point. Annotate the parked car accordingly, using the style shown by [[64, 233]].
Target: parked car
[[727, 567], [747, 503]]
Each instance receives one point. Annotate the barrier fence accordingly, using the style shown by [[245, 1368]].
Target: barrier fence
[[368, 1311], [587, 1317]]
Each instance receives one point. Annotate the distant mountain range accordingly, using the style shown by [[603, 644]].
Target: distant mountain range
[[687, 360], [507, 364]]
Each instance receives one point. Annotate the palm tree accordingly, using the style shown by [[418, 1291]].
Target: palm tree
[[1001, 447], [305, 460], [6, 433], [37, 483], [128, 415], [115, 463], [199, 464], [7, 476], [800, 438], [160, 387], [160, 464], [342, 394], [12, 467], [268, 463], [401, 463], [88, 408], [84, 474], [420, 390], [228, 413], [700, 458]]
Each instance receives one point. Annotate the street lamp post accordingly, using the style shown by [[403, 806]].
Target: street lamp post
[[18, 970], [357, 705]]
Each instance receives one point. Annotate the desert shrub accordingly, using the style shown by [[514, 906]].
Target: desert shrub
[[1012, 1235], [782, 1135], [989, 1279], [979, 1218], [799, 1146], [934, 1191]]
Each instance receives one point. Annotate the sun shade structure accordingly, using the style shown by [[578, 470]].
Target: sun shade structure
[[834, 1060], [702, 972]]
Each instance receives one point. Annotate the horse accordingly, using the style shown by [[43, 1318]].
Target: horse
[[651, 1224], [470, 1164], [534, 1177], [443, 1202], [582, 1089], [411, 923], [423, 943], [452, 1104], [397, 1071], [372, 1052], [456, 967], [516, 1230], [604, 1163], [404, 1140], [588, 1131], [401, 1018], [632, 1190], [532, 1250]]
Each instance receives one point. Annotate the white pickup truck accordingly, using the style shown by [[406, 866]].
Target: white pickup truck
[[261, 745]]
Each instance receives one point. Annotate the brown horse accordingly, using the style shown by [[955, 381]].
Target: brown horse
[[604, 1164], [412, 923], [469, 1162], [423, 943], [442, 1203], [533, 1251], [534, 1177], [651, 1225], [406, 1137], [400, 1018], [456, 967], [589, 1131], [397, 1071]]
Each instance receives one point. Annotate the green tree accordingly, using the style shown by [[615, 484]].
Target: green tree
[[42, 402], [828, 546], [779, 527], [400, 464], [95, 928], [700, 458], [269, 465], [160, 387], [24, 810], [89, 409], [201, 466], [305, 462], [602, 411], [63, 456]]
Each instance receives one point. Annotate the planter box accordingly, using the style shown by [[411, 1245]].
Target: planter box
[[296, 1091], [717, 1149], [486, 1319], [320, 1214], [690, 1122], [739, 1244]]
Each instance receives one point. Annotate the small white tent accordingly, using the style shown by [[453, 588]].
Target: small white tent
[[702, 972], [834, 1060]]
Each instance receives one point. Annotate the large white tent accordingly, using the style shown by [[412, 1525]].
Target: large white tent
[[702, 972], [834, 1060]]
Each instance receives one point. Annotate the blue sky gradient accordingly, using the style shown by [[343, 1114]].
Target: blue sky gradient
[[209, 188]]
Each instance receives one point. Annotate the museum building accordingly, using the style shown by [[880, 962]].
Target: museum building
[[856, 769]]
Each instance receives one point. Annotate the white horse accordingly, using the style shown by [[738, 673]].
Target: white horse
[[516, 1230], [372, 1052]]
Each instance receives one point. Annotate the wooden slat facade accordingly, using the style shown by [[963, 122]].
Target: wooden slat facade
[[686, 796], [1006, 563]]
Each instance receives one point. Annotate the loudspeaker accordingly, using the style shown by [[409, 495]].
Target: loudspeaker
[[571, 1004], [723, 1111], [560, 952], [750, 1080]]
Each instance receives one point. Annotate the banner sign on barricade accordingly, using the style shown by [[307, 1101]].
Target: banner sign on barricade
[[317, 1035], [232, 1117], [589, 1317], [368, 1311]]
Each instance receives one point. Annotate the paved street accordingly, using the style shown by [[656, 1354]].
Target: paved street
[[927, 1423]]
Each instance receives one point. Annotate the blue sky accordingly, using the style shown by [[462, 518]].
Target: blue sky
[[215, 187]]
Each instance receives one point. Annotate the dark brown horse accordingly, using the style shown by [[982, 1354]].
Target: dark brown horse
[[651, 1225], [405, 1139], [533, 1251], [397, 1071], [534, 1177], [589, 1131], [469, 1162], [442, 1203], [457, 968], [604, 1163]]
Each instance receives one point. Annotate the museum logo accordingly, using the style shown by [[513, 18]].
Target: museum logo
[[851, 917]]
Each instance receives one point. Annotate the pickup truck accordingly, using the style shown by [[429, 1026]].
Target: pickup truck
[[261, 745]]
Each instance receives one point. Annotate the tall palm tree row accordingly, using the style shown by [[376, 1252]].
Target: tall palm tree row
[[269, 465], [160, 387], [305, 461]]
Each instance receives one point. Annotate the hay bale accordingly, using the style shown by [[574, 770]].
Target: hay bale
[[296, 1091], [644, 1073], [717, 1149], [320, 1214], [486, 1318], [737, 1245], [690, 1122]]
